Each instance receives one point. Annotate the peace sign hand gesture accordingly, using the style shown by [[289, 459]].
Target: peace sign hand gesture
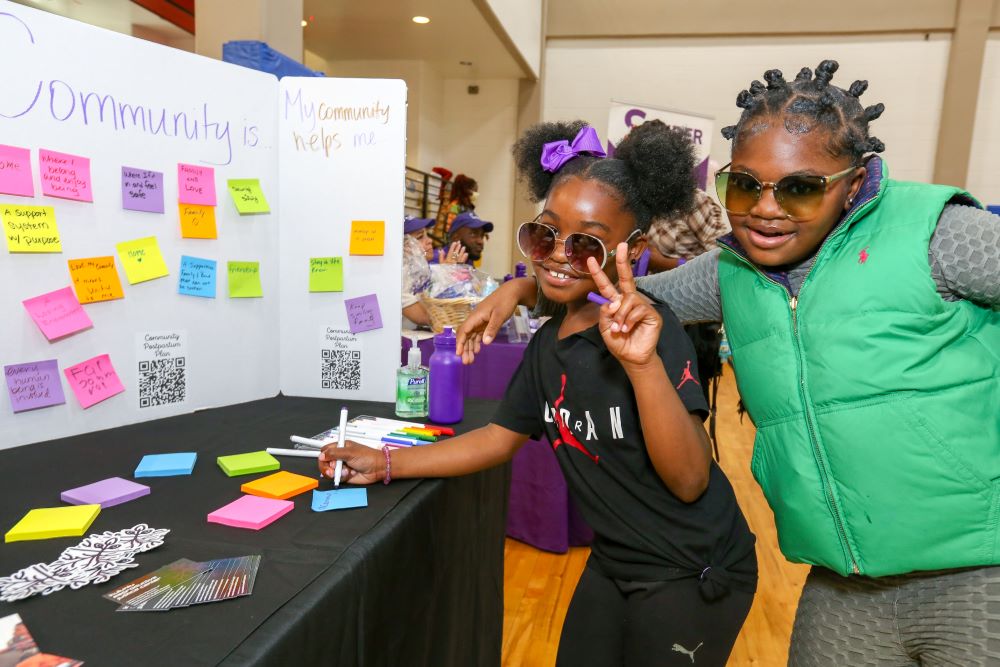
[[629, 325]]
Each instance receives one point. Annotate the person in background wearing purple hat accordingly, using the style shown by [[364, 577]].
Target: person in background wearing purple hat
[[470, 230]]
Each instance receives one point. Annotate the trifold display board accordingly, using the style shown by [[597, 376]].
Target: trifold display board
[[128, 291]]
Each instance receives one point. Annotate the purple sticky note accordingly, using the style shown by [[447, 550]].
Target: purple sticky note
[[93, 380], [106, 493], [58, 313], [195, 185], [15, 171], [35, 384], [142, 190], [363, 313], [65, 176]]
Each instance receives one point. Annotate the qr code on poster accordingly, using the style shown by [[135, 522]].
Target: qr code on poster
[[161, 382], [341, 369]]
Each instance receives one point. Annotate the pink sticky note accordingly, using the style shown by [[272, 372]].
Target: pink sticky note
[[93, 380], [252, 512], [58, 313], [363, 313], [195, 185], [15, 171], [65, 176]]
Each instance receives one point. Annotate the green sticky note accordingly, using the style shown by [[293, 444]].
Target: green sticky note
[[248, 196], [244, 280], [326, 274], [245, 464]]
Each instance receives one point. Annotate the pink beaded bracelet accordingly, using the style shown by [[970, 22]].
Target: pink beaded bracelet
[[388, 465]]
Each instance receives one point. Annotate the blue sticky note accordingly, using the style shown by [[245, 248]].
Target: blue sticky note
[[197, 277], [166, 465], [339, 499]]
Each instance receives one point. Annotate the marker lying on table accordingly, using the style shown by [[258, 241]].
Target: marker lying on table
[[401, 424], [594, 297], [304, 453]]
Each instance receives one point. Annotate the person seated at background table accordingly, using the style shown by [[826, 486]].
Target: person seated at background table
[[417, 253], [462, 198], [672, 571], [470, 231]]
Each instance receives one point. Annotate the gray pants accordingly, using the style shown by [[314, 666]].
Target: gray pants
[[948, 617]]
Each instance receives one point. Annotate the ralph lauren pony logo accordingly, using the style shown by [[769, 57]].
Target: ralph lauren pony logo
[[863, 255]]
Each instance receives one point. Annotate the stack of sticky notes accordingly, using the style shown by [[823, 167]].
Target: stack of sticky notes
[[246, 464], [166, 465], [339, 499], [251, 512], [106, 493], [281, 485], [46, 522]]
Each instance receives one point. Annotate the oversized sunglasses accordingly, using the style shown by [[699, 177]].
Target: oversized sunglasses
[[800, 196], [537, 242]]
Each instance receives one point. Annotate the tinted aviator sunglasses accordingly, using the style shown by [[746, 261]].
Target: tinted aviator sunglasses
[[537, 242], [800, 196]]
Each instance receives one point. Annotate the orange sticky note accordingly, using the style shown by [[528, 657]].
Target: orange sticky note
[[197, 222], [281, 485], [95, 279], [367, 237]]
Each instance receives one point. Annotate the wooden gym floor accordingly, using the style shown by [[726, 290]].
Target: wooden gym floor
[[538, 585]]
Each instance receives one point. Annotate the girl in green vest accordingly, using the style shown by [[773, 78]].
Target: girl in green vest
[[862, 313]]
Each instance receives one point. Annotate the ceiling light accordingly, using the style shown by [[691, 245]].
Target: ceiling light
[[304, 23], [421, 19]]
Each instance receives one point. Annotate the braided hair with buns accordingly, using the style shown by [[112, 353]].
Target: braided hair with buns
[[808, 102], [652, 170]]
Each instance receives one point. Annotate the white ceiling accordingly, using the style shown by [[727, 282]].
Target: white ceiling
[[383, 30]]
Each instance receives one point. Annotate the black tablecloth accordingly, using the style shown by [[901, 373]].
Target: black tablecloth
[[416, 578]]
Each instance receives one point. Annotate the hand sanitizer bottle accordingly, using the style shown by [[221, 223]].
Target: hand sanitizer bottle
[[412, 385]]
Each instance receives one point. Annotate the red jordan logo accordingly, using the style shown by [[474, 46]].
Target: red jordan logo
[[863, 255], [567, 437], [687, 376]]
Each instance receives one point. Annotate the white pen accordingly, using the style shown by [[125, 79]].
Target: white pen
[[320, 444], [341, 431], [309, 441], [304, 453]]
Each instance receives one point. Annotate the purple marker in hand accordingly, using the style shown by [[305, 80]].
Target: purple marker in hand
[[597, 298]]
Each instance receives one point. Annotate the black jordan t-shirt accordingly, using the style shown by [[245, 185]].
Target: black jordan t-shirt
[[576, 393]]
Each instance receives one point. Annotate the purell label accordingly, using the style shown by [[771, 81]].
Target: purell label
[[416, 381]]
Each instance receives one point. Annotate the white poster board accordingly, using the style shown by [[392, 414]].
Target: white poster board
[[341, 147], [623, 116]]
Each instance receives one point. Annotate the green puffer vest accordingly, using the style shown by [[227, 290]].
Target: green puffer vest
[[877, 403]]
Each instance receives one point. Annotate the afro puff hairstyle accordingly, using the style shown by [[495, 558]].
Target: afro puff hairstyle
[[652, 169]]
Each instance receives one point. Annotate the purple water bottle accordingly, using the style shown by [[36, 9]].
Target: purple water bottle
[[446, 400], [520, 270]]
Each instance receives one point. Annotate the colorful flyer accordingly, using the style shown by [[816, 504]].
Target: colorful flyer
[[367, 237], [95, 279], [93, 380], [197, 277], [34, 385], [326, 274], [196, 185], [65, 176], [15, 171], [58, 313], [30, 228], [248, 196], [197, 222], [363, 313], [142, 190], [142, 260], [244, 280]]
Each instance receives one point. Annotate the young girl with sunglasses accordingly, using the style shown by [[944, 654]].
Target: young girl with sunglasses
[[672, 571], [862, 316]]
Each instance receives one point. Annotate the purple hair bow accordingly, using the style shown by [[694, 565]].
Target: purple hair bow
[[557, 153]]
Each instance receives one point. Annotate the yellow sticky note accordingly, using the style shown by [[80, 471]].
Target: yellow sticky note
[[326, 274], [46, 522], [197, 222], [95, 279], [142, 260], [281, 485], [244, 280], [30, 228], [367, 237], [248, 196]]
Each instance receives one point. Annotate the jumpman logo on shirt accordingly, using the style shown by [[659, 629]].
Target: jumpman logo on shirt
[[687, 376], [566, 436]]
